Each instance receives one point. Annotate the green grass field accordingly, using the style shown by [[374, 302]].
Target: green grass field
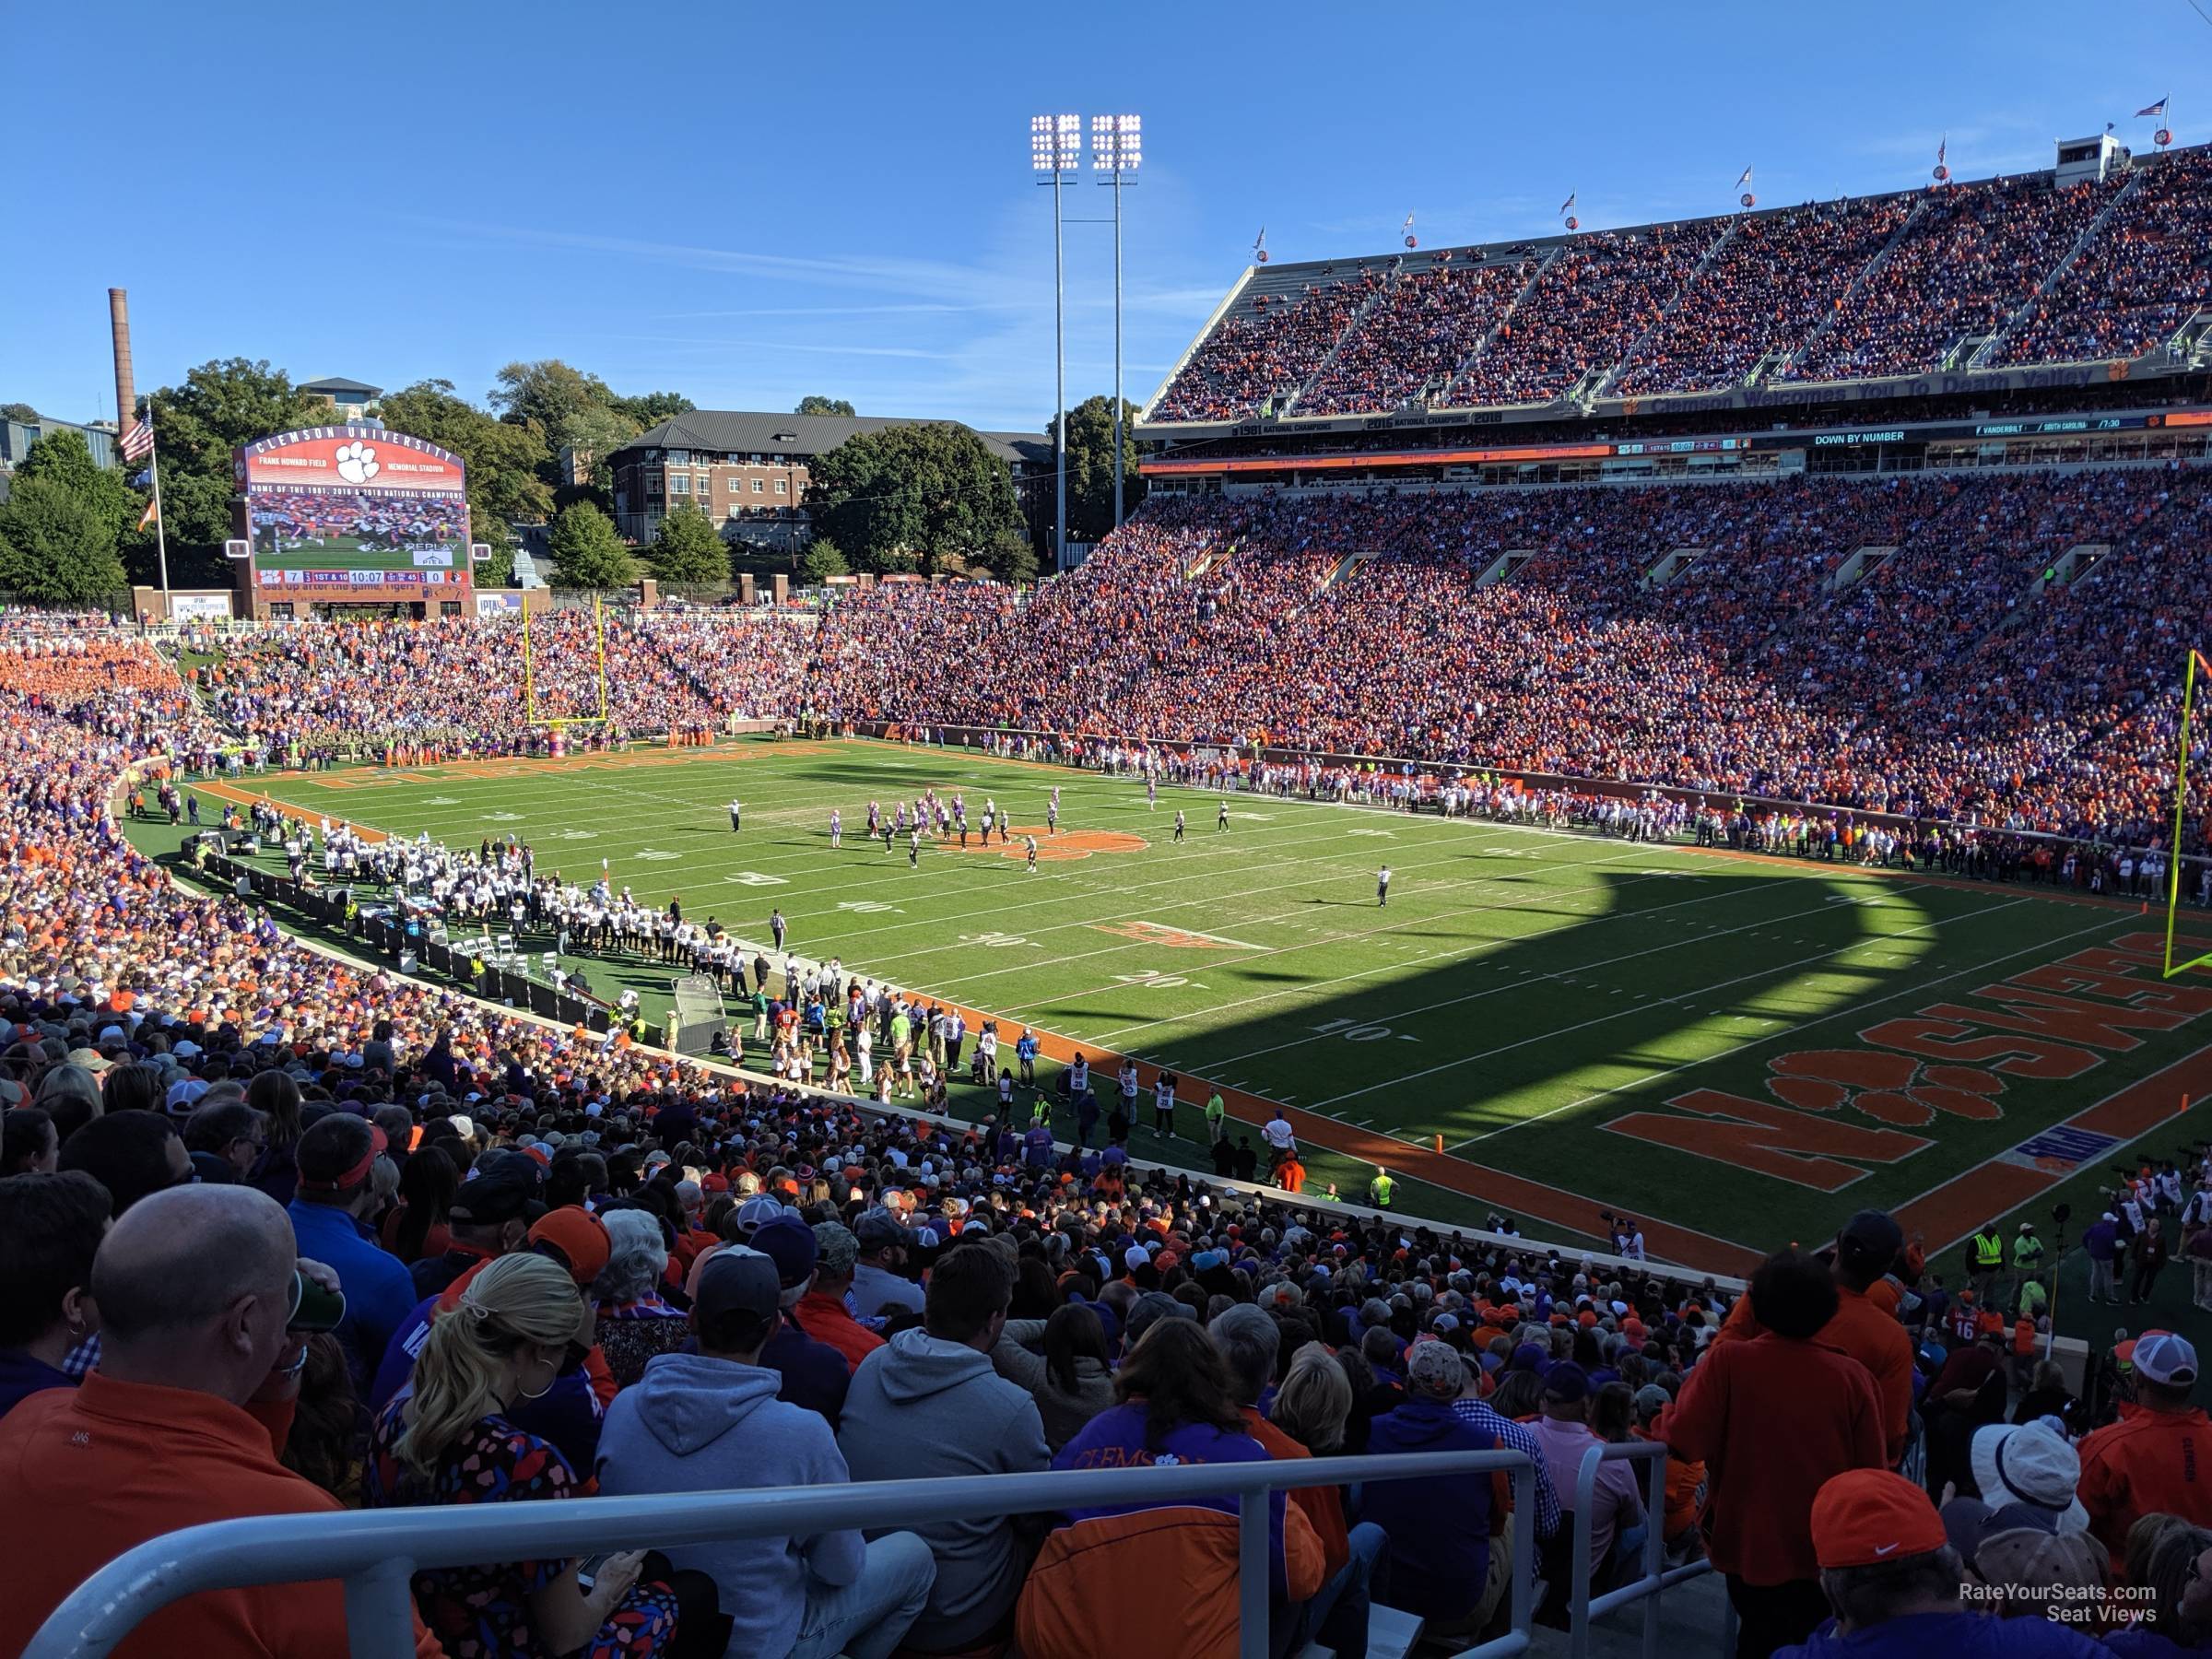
[[1746, 1050]]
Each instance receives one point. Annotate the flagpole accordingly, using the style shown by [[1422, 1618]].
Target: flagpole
[[160, 530]]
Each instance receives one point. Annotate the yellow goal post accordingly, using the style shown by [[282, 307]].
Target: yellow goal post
[[2196, 671], [558, 723]]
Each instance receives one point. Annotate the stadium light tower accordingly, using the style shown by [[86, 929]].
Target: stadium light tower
[[1117, 150], [1056, 152]]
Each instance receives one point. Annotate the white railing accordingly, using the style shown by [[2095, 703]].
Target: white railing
[[375, 1553]]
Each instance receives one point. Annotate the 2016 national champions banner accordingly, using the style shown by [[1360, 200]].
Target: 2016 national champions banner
[[353, 513]]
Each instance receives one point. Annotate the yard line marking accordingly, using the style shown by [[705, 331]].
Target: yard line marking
[[1328, 939], [1563, 975], [1427, 956], [1333, 937], [1700, 991], [1916, 989]]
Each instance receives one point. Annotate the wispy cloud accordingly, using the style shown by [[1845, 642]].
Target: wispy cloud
[[839, 348], [823, 310], [941, 280]]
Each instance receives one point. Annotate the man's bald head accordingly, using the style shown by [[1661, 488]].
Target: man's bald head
[[181, 1260]]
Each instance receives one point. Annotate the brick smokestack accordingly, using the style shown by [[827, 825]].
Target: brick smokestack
[[126, 396]]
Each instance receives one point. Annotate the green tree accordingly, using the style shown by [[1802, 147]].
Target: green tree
[[908, 496], [18, 411], [653, 408], [822, 560], [504, 462], [1010, 558], [221, 405], [1090, 467], [56, 545], [572, 409], [687, 550], [814, 403], [65, 458], [586, 551]]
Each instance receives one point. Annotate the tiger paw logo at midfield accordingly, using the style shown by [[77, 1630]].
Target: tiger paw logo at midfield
[[357, 463], [1891, 1087], [1067, 845]]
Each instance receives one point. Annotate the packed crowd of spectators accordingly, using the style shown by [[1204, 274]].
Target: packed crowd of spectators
[[1970, 258], [1525, 628], [2147, 269], [301, 691], [1945, 676], [1810, 285], [1414, 339], [1770, 286], [1267, 347], [1600, 295]]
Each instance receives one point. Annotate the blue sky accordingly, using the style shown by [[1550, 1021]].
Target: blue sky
[[746, 204]]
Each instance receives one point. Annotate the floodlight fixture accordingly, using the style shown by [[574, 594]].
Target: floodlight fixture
[[1056, 143], [1117, 143]]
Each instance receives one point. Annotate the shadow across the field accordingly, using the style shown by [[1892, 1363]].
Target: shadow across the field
[[1624, 982]]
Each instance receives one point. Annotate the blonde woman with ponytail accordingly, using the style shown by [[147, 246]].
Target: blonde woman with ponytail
[[446, 1440]]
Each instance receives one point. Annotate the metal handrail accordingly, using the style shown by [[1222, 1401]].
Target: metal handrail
[[375, 1553], [1582, 1611]]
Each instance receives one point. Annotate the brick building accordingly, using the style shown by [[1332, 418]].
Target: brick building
[[747, 472]]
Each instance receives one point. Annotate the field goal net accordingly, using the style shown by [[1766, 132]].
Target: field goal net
[[697, 1013], [2190, 806]]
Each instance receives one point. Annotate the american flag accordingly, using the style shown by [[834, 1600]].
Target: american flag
[[1745, 179], [1569, 204], [138, 442], [2157, 108], [1941, 147]]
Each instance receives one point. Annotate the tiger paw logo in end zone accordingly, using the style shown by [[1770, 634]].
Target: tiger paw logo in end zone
[[357, 463], [1891, 1087]]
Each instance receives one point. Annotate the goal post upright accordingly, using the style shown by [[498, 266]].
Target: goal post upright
[[529, 687], [2181, 814], [530, 714], [599, 650]]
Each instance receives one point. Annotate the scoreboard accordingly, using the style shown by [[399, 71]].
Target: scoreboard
[[351, 514]]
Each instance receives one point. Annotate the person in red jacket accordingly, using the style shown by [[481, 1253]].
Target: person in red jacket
[[821, 1312], [1772, 1419], [173, 1430], [2153, 1460]]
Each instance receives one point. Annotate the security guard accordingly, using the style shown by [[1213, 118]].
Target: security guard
[[1988, 1255], [1381, 1189]]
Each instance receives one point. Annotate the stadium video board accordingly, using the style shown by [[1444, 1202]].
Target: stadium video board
[[352, 514]]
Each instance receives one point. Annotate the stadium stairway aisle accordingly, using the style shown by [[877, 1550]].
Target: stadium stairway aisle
[[1690, 1619]]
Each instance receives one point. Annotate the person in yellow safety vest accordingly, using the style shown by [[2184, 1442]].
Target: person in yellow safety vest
[[1381, 1189], [1988, 1253], [2026, 1257]]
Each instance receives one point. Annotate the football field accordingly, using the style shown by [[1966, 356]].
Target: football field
[[1737, 1051]]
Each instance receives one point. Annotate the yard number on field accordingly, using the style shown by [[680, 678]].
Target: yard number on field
[[755, 878], [996, 940], [1153, 980], [1351, 1030]]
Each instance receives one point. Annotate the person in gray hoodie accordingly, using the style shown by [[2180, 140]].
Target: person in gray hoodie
[[928, 1404], [1072, 1382], [710, 1422]]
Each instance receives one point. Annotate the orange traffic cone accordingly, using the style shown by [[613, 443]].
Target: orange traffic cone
[[1439, 1143]]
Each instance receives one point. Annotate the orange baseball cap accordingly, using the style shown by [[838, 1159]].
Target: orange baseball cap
[[579, 1236], [1867, 1516]]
